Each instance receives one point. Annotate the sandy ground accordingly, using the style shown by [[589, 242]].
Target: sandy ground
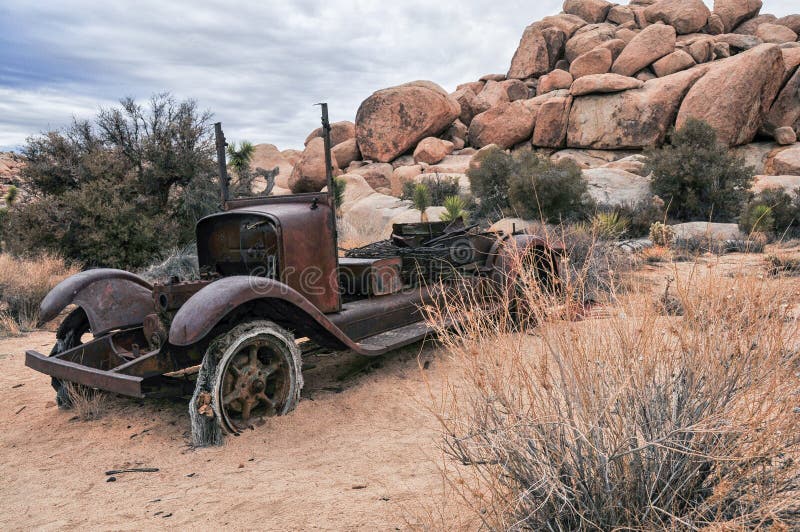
[[360, 451], [356, 454]]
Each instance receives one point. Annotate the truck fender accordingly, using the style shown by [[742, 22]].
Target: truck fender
[[112, 299], [207, 308]]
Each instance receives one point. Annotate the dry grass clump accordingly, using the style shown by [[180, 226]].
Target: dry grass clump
[[23, 284], [179, 262], [783, 264], [638, 421], [87, 403]]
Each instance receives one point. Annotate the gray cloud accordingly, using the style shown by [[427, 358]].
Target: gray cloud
[[259, 66]]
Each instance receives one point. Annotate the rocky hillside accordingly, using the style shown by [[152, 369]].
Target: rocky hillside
[[596, 83]]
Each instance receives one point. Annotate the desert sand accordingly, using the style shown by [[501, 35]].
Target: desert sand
[[355, 454]]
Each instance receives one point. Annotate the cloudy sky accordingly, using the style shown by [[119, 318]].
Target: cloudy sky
[[259, 66]]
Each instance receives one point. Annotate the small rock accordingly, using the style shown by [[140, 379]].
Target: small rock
[[111, 479], [785, 136], [672, 63], [592, 11], [603, 83], [596, 61], [555, 80], [431, 150]]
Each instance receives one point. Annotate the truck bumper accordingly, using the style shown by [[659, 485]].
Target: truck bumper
[[109, 381]]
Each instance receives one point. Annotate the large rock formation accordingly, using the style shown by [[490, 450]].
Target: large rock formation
[[631, 119], [392, 121], [736, 94]]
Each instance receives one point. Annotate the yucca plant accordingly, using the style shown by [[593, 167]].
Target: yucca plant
[[610, 225], [455, 208], [421, 200], [239, 157]]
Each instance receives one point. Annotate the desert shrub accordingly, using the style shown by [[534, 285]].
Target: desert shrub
[[439, 187], [783, 264], [540, 189], [87, 403], [631, 422], [772, 211], [698, 178], [23, 284], [115, 191], [642, 215], [181, 263], [489, 182], [421, 200], [661, 234], [594, 265]]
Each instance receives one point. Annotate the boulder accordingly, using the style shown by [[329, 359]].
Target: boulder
[[592, 11], [474, 86], [340, 132], [614, 187], [749, 27], [790, 21], [615, 46], [738, 42], [603, 83], [402, 175], [368, 216], [452, 164], [775, 33], [634, 164], [645, 75], [785, 110], [539, 48], [267, 156], [716, 232], [620, 15], [630, 119], [588, 38], [734, 12], [493, 77], [672, 63], [404, 160], [457, 134], [597, 61], [626, 35], [653, 43], [757, 154], [791, 60], [393, 120], [309, 173], [787, 183], [569, 24], [734, 96], [431, 150], [590, 158], [686, 16], [468, 101], [787, 162], [497, 92], [721, 50], [377, 175], [551, 122], [702, 50], [714, 26], [504, 125], [555, 80], [346, 152]]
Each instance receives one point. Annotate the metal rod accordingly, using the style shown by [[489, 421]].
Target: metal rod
[[326, 137], [224, 180]]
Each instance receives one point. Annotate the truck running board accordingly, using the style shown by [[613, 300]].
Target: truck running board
[[394, 339]]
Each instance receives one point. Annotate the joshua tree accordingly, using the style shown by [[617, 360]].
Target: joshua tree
[[422, 200], [454, 208], [239, 157]]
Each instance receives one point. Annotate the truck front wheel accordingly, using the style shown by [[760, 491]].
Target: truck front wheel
[[248, 374]]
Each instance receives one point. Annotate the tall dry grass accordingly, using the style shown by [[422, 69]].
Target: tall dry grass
[[636, 421], [23, 284]]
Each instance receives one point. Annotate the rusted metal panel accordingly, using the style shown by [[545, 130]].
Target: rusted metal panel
[[81, 374], [66, 292], [370, 277], [307, 258]]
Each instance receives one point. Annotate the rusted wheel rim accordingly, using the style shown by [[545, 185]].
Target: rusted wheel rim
[[255, 384]]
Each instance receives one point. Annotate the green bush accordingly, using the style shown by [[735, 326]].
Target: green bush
[[489, 182], [116, 191], [697, 177], [642, 215], [540, 189], [772, 211], [455, 208]]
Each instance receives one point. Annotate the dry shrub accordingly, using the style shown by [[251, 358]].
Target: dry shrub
[[354, 233], [638, 421], [87, 403], [23, 284]]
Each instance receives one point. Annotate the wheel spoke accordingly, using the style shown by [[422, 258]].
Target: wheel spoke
[[271, 368], [253, 355], [266, 400], [246, 406], [231, 396]]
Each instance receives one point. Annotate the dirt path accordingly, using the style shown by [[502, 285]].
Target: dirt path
[[354, 455]]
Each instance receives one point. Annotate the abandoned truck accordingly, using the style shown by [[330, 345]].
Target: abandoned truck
[[270, 272]]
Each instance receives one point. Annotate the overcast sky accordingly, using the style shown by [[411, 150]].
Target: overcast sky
[[259, 66]]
